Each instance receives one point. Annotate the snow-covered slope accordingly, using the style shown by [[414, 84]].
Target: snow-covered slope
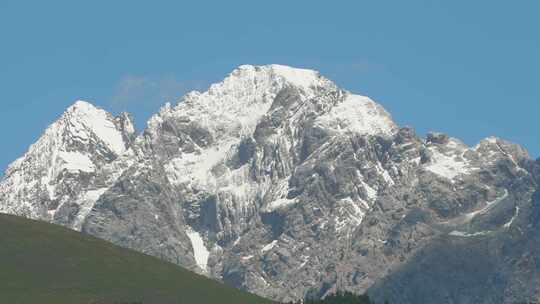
[[274, 180], [64, 163]]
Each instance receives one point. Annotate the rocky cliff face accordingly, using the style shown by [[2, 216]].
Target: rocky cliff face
[[278, 182]]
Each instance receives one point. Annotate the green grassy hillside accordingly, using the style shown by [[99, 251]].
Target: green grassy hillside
[[43, 263]]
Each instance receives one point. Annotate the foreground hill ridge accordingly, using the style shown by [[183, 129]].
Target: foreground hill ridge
[[278, 182], [44, 263]]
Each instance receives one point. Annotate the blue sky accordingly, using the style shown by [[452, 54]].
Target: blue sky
[[467, 68]]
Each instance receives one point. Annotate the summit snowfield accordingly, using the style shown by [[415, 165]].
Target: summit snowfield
[[278, 182]]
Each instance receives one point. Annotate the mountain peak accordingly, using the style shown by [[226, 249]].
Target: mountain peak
[[84, 119], [82, 107], [82, 104], [297, 76], [84, 139], [233, 107], [239, 101]]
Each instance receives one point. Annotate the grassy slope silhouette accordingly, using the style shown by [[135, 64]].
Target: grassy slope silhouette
[[43, 263]]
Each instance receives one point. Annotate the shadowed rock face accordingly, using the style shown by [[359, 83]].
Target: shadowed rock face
[[278, 182], [499, 267]]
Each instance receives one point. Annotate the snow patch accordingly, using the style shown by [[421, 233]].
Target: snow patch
[[491, 140], [384, 173], [358, 114], [196, 167], [280, 203], [489, 206], [447, 166], [269, 246], [305, 259], [371, 193], [279, 197], [358, 213], [86, 203], [247, 258], [350, 213], [382, 241], [499, 199], [83, 117], [299, 77], [465, 234], [200, 252], [516, 213], [76, 161]]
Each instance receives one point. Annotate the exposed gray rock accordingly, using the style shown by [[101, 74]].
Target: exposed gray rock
[[437, 138]]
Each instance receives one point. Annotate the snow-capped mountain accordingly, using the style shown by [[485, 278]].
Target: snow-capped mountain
[[279, 182], [64, 172]]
